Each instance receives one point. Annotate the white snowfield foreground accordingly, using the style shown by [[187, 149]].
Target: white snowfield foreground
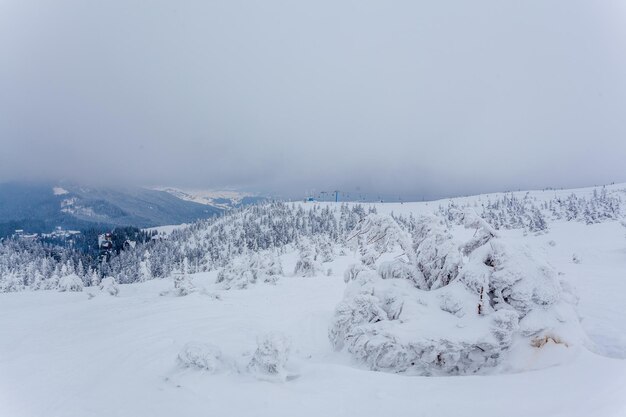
[[532, 329]]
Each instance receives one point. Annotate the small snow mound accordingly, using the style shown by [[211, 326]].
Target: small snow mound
[[201, 356], [70, 283]]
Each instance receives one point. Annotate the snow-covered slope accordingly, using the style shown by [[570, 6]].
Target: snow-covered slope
[[40, 207], [92, 354], [117, 355], [223, 199], [537, 197]]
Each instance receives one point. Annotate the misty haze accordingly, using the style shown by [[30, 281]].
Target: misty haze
[[345, 208]]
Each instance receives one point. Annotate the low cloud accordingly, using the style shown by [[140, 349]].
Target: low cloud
[[399, 99]]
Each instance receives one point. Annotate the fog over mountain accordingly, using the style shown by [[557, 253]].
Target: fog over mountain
[[410, 99]]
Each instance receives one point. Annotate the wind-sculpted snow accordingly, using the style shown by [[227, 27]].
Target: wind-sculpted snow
[[475, 300]]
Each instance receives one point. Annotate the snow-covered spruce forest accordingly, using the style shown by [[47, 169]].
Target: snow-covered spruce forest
[[274, 228], [303, 297]]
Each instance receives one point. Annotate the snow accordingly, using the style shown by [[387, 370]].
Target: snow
[[59, 191], [430, 207], [70, 282], [73, 206], [201, 356], [167, 229], [109, 286], [484, 312], [90, 354], [224, 199]]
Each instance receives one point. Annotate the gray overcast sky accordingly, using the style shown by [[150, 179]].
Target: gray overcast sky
[[395, 97]]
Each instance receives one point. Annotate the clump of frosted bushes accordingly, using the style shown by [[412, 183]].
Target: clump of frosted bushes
[[70, 283], [11, 283], [307, 264], [183, 285], [202, 356], [312, 254], [271, 356], [268, 362], [434, 305], [109, 285], [249, 269]]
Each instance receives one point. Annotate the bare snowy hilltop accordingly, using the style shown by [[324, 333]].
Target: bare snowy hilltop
[[506, 304]]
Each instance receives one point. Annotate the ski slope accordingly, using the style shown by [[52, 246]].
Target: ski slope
[[69, 354]]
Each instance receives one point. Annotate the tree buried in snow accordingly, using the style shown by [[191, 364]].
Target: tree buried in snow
[[71, 282], [201, 356], [11, 283], [449, 307], [270, 357], [307, 264], [249, 269], [436, 253], [377, 238], [109, 285], [182, 281], [183, 285]]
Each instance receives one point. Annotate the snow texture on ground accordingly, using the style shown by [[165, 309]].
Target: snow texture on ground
[[72, 354]]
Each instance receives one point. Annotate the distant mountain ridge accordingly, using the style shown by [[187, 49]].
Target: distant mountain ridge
[[40, 207]]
